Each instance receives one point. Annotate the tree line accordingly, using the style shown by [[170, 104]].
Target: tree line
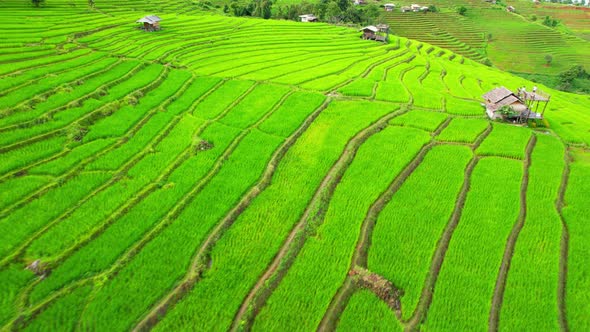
[[332, 11]]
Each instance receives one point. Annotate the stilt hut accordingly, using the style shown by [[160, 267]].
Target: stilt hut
[[150, 23], [369, 32]]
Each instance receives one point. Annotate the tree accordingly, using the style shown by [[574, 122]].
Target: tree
[[548, 59], [462, 10], [533, 17], [37, 3], [91, 3], [432, 8], [550, 22], [226, 8], [333, 12]]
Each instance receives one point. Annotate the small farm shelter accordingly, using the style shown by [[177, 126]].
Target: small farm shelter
[[359, 2], [389, 7], [150, 22], [498, 98], [372, 32], [415, 7], [406, 9], [369, 32], [510, 9], [308, 18]]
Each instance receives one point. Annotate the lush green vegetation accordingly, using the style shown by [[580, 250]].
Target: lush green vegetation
[[235, 173]]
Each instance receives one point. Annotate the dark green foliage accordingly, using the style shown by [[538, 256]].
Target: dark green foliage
[[432, 8], [256, 8], [575, 79], [550, 22], [462, 10], [37, 3], [548, 59]]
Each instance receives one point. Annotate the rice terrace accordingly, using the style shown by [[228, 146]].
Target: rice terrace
[[294, 166]]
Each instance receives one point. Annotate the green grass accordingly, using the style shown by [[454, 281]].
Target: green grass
[[366, 312], [465, 285], [424, 120], [103, 174], [538, 246], [505, 141], [270, 219], [575, 214], [409, 227], [338, 232], [463, 130]]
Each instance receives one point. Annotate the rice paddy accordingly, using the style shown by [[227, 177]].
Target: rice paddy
[[246, 174]]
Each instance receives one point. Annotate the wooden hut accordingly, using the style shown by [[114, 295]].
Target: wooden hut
[[369, 32], [389, 7], [308, 18], [500, 98], [150, 22], [510, 9]]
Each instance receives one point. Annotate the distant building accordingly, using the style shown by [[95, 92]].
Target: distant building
[[360, 2], [372, 32], [389, 7], [308, 18], [406, 9], [150, 22], [510, 9], [415, 7]]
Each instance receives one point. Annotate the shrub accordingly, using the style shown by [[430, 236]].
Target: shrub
[[462, 10]]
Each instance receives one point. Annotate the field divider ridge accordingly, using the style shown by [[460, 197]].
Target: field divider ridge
[[498, 297], [199, 261], [438, 256], [312, 217]]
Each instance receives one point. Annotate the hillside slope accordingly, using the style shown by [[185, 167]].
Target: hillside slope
[[227, 173]]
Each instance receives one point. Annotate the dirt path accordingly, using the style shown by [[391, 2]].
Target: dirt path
[[511, 243], [315, 211], [565, 236], [199, 262], [443, 244]]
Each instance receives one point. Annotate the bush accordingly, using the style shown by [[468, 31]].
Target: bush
[[548, 59], [462, 10]]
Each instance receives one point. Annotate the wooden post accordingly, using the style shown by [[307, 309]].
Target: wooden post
[[544, 108]]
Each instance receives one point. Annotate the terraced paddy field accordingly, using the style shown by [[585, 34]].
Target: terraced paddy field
[[517, 44], [243, 174]]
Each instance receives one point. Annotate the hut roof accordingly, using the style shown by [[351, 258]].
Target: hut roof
[[151, 19], [370, 28], [389, 5], [497, 94]]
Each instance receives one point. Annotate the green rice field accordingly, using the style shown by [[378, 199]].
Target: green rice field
[[245, 174]]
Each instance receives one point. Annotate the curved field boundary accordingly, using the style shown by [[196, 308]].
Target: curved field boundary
[[313, 215], [27, 315], [511, 243], [77, 102], [20, 250], [565, 236], [150, 187], [44, 95], [198, 264], [360, 256], [443, 244], [36, 79]]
